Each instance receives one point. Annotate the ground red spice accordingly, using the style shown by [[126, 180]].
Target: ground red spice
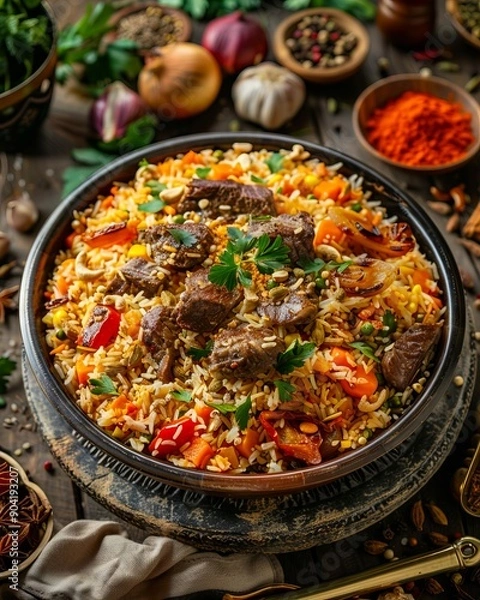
[[420, 129]]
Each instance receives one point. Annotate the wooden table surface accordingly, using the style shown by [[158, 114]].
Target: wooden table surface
[[39, 168]]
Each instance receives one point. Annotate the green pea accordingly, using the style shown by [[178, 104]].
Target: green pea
[[367, 433], [356, 207], [218, 154], [271, 283], [367, 328], [395, 402], [321, 283], [179, 219], [60, 334]]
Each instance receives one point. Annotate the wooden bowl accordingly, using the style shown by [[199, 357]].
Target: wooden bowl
[[386, 89], [319, 74], [454, 14]]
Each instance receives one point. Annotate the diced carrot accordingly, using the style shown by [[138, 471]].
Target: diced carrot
[[366, 385], [107, 202], [328, 232], [248, 443], [223, 171], [193, 157], [287, 188], [62, 285], [199, 452], [114, 189], [423, 278], [70, 238], [83, 371], [230, 454], [169, 210], [112, 235], [330, 188], [204, 412], [165, 167], [58, 349], [119, 402], [342, 357], [437, 301]]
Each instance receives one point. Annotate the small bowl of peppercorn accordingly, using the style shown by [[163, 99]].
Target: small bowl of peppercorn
[[465, 17], [322, 45], [419, 123]]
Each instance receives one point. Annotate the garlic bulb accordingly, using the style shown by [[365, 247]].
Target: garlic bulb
[[22, 213], [268, 94]]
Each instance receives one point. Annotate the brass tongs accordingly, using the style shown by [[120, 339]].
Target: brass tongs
[[462, 554]]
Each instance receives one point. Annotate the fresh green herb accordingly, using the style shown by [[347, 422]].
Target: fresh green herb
[[199, 353], [256, 179], [317, 265], [285, 389], [243, 413], [207, 9], [143, 163], [90, 156], [266, 254], [203, 172], [389, 322], [181, 395], [222, 407], [7, 367], [104, 385], [185, 238], [153, 206], [362, 9], [294, 356], [138, 134], [156, 187], [365, 349], [82, 43], [25, 40], [275, 162]]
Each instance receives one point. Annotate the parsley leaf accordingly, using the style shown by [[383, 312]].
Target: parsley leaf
[[285, 389], [183, 237], [104, 385], [155, 186], [181, 395], [143, 163], [203, 172], [239, 241], [153, 206], [7, 366], [275, 162], [257, 179], [223, 408], [271, 254], [365, 349], [317, 265], [242, 413], [294, 356], [225, 272], [198, 353]]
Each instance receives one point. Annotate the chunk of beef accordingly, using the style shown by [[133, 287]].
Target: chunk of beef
[[159, 334], [297, 232], [179, 246], [413, 348], [295, 309], [203, 306], [227, 198], [136, 275], [245, 351]]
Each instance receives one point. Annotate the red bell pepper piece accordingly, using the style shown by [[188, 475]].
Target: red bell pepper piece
[[116, 233], [290, 440], [170, 438], [102, 328]]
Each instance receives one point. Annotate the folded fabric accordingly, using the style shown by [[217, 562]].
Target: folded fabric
[[95, 560]]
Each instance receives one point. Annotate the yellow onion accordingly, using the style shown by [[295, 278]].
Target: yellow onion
[[367, 277], [180, 80], [236, 41]]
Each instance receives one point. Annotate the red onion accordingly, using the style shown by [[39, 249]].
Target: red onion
[[114, 110], [236, 41]]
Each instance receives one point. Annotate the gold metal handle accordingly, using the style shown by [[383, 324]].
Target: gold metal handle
[[462, 554]]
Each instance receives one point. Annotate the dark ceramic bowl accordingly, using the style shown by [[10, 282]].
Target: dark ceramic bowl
[[24, 108], [51, 239]]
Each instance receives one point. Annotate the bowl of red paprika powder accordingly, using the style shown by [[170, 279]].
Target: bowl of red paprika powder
[[425, 124]]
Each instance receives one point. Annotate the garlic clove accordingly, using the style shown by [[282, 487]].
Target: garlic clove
[[4, 244], [22, 213]]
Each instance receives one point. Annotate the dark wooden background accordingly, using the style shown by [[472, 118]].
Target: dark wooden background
[[39, 169]]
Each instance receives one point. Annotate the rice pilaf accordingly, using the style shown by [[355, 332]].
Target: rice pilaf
[[242, 311]]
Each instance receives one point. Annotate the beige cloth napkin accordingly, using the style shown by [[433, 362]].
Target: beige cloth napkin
[[95, 560]]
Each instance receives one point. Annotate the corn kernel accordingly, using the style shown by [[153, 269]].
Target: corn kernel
[[275, 178], [59, 317], [345, 444], [311, 181], [137, 251]]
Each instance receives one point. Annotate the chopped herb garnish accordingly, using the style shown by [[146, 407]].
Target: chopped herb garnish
[[153, 206], [156, 187], [266, 254], [7, 366], [143, 163], [294, 356], [275, 162], [181, 395], [317, 265], [183, 237], [285, 389], [257, 179], [365, 349], [242, 413], [104, 385], [389, 322], [203, 172], [199, 353], [222, 407]]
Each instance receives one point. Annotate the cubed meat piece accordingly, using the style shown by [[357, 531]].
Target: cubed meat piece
[[136, 275], [294, 309], [297, 232], [203, 306], [227, 198], [245, 351], [413, 349], [179, 246], [159, 334]]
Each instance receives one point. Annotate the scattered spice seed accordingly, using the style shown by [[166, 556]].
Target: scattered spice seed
[[459, 197], [458, 380], [418, 515], [453, 223], [472, 84], [439, 194], [48, 466], [332, 106], [471, 246], [375, 547], [433, 586], [438, 539], [447, 66], [389, 554], [151, 27], [18, 452], [437, 514], [441, 208], [383, 65]]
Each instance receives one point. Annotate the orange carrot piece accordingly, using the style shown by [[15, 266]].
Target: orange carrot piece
[[366, 385], [248, 443], [199, 452], [192, 157], [342, 357], [83, 371], [222, 171], [328, 232], [230, 454], [330, 188], [58, 349], [204, 412], [422, 278], [62, 285]]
